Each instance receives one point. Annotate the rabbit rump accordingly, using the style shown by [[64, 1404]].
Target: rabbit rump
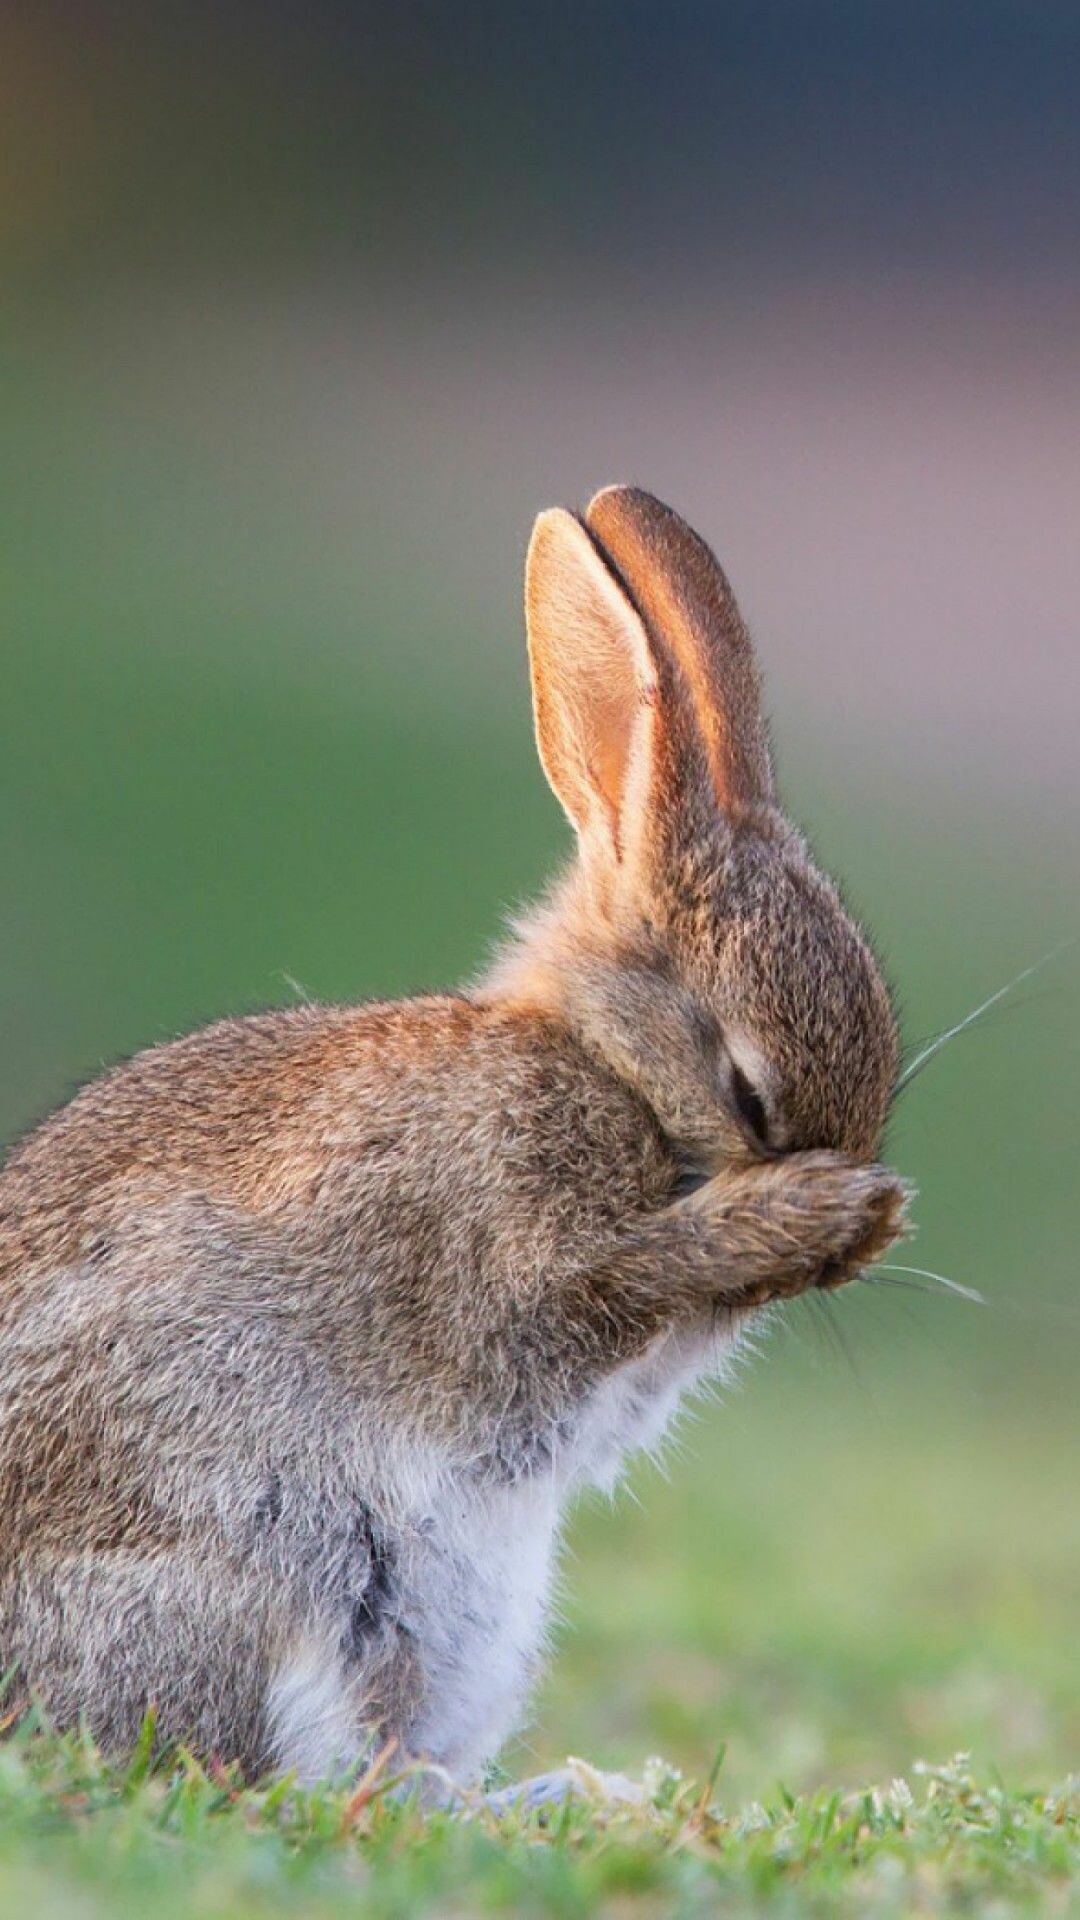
[[311, 1322]]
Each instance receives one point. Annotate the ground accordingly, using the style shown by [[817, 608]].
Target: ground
[[79, 1839]]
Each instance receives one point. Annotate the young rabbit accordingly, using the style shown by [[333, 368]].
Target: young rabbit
[[310, 1322]]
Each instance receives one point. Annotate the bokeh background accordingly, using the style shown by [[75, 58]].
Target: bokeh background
[[307, 309]]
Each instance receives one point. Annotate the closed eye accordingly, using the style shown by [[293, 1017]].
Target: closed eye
[[750, 1104]]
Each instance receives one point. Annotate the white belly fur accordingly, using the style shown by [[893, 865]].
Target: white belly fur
[[480, 1565], [495, 1551]]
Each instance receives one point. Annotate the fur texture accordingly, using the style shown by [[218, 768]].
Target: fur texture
[[310, 1322]]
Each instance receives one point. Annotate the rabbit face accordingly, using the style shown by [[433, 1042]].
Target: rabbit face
[[696, 946], [787, 996], [740, 1001]]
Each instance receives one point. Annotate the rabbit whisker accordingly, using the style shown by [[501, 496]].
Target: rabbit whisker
[[924, 1273], [887, 1280], [822, 1308], [829, 1318], [926, 1054]]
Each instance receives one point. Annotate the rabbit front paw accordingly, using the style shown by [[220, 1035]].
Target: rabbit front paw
[[805, 1220]]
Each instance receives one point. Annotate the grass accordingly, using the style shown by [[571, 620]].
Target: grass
[[77, 1837], [844, 1573]]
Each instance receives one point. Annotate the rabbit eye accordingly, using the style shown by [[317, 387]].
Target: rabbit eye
[[750, 1105]]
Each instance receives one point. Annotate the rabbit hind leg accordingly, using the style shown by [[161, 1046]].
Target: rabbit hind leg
[[102, 1637]]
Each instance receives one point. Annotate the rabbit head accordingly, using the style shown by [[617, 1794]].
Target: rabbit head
[[694, 945]]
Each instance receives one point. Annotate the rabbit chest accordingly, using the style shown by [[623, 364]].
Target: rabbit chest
[[475, 1566]]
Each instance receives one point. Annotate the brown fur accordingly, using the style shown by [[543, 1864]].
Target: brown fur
[[244, 1274]]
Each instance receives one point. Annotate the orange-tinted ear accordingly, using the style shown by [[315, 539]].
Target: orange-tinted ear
[[596, 684], [685, 601]]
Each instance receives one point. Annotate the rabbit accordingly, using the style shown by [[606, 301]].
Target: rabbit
[[312, 1322]]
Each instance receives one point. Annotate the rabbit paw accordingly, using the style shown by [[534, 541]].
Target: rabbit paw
[[576, 1781], [808, 1220]]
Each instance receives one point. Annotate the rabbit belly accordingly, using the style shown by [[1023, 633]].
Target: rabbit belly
[[447, 1652], [476, 1584], [478, 1613]]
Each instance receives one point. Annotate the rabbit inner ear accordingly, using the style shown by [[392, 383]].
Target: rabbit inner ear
[[686, 601], [593, 677]]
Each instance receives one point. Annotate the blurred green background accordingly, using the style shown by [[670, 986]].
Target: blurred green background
[[306, 313]]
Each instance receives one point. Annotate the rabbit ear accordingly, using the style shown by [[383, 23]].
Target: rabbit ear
[[685, 601], [598, 692]]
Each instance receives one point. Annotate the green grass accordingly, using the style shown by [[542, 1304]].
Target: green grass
[[843, 1574], [77, 1837]]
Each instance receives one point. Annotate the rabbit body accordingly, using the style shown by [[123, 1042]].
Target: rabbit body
[[216, 1455], [310, 1322]]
